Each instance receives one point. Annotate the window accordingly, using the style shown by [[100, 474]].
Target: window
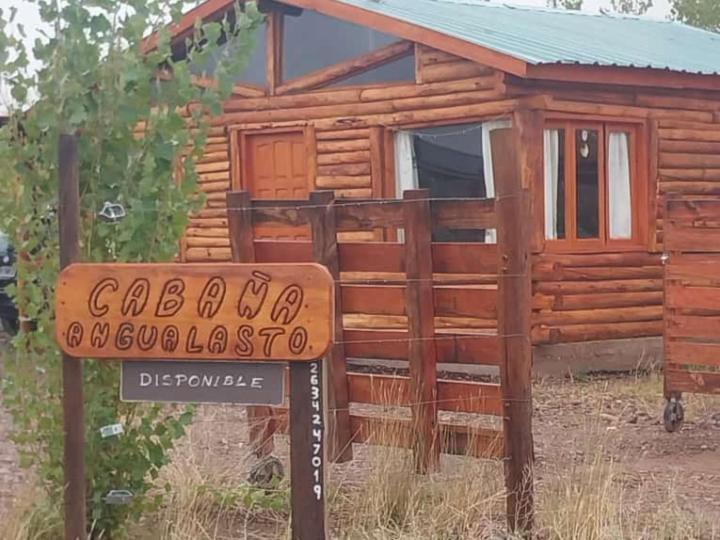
[[402, 69], [314, 41], [452, 162], [591, 185], [253, 72]]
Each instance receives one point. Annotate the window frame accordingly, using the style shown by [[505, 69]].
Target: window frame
[[638, 153]]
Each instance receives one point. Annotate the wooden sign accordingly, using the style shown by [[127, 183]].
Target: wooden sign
[[195, 311], [244, 383]]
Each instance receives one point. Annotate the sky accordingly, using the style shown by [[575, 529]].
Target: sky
[[27, 16]]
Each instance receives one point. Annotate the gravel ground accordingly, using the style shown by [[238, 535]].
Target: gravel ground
[[624, 411]]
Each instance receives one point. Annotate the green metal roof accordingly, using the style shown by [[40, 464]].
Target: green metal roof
[[549, 36]]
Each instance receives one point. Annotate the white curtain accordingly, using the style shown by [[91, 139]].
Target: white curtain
[[552, 162], [620, 204], [487, 128], [406, 174]]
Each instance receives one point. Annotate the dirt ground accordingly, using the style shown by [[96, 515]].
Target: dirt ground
[[624, 411]]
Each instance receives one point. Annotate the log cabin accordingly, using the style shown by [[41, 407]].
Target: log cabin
[[370, 98]]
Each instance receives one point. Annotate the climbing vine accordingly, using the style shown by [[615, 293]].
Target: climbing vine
[[141, 125]]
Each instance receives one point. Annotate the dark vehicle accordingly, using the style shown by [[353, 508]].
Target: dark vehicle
[[8, 311]]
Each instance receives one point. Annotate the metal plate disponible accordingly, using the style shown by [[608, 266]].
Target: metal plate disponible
[[251, 383]]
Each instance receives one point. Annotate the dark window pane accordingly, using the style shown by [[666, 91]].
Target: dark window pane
[[449, 163], [587, 187], [314, 41], [254, 71], [402, 69]]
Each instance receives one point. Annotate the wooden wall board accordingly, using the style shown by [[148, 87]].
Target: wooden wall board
[[456, 396]]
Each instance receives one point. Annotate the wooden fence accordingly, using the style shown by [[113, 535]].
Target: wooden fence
[[419, 301], [692, 302]]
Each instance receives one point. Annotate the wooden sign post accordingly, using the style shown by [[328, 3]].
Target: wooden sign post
[[261, 313]]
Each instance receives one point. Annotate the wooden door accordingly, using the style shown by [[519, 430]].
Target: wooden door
[[277, 165]]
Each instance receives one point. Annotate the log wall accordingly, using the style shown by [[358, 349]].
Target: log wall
[[576, 297], [599, 296]]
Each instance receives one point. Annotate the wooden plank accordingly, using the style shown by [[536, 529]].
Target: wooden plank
[[450, 71], [325, 252], [419, 306], [449, 301], [372, 257], [454, 439], [368, 215], [692, 209], [703, 272], [679, 296], [690, 239], [376, 300], [596, 332], [464, 258], [692, 354], [702, 135], [278, 251], [600, 316], [345, 169], [699, 382], [514, 311], [463, 213], [307, 451], [589, 260], [689, 161], [598, 273], [339, 134], [459, 301], [690, 147], [693, 326], [599, 300], [450, 348], [455, 396], [610, 286]]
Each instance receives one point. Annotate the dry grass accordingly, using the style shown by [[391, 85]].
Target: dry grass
[[209, 499], [394, 502], [582, 494], [32, 518]]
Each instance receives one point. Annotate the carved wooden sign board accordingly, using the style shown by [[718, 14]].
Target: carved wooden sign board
[[195, 311]]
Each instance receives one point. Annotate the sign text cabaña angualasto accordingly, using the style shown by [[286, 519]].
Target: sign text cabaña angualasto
[[195, 311]]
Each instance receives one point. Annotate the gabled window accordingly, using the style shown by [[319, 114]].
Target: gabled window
[[255, 69], [314, 41], [592, 191]]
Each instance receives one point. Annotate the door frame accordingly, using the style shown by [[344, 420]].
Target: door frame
[[238, 152]]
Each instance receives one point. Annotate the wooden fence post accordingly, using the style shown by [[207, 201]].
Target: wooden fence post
[[514, 311], [325, 252], [72, 368], [261, 422], [419, 306]]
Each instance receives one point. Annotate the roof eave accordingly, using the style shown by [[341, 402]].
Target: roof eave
[[624, 76]]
